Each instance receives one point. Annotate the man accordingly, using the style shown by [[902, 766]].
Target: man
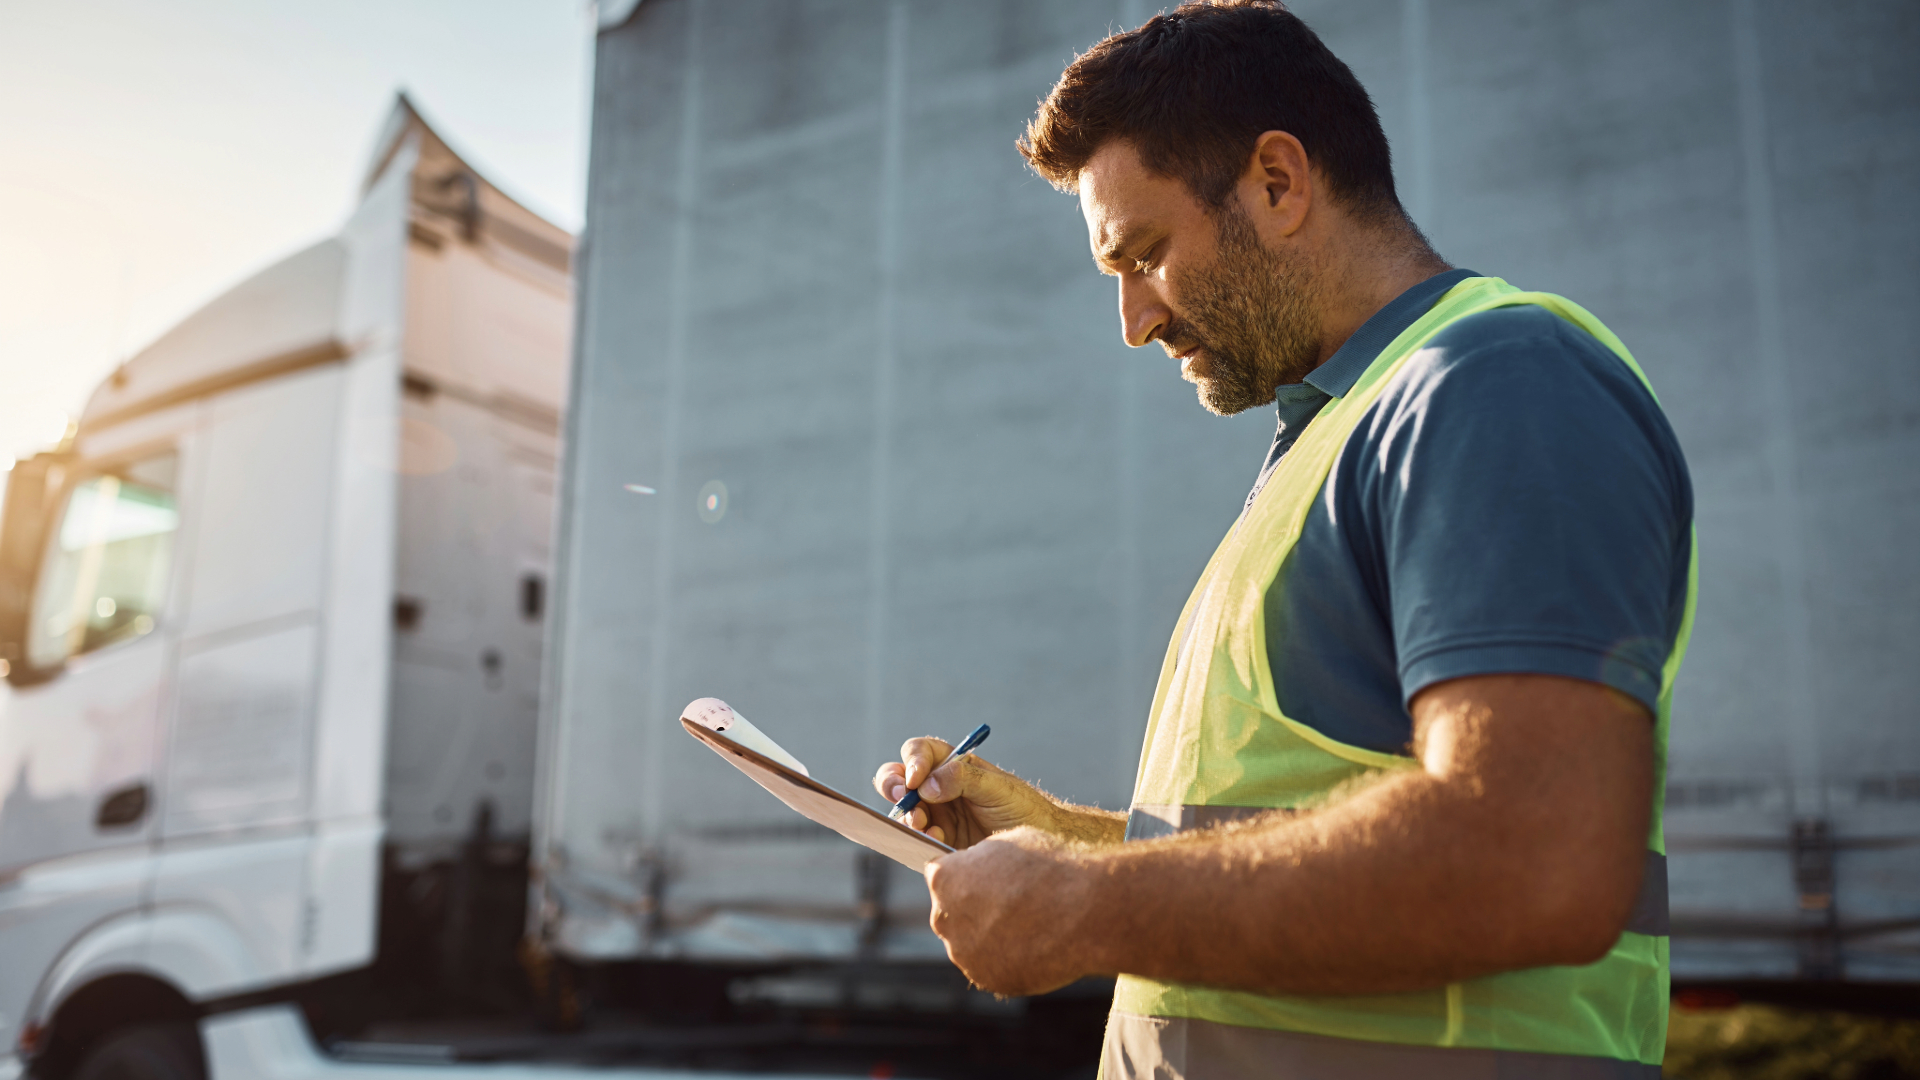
[[1398, 808]]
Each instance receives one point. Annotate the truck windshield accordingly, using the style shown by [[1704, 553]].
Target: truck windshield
[[105, 572]]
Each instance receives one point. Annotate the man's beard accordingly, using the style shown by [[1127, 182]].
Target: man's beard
[[1251, 315]]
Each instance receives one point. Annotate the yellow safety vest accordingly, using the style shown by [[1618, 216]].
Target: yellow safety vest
[[1218, 747]]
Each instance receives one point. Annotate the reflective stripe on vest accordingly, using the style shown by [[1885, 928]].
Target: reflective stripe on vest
[[1219, 749], [1183, 1049]]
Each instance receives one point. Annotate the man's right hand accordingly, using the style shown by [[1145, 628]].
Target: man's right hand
[[961, 802]]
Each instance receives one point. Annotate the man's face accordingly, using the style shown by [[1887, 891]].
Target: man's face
[[1236, 313]]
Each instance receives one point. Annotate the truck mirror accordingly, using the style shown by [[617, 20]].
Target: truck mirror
[[31, 487]]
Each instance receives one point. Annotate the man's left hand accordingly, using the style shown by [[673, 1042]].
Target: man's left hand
[[1010, 908]]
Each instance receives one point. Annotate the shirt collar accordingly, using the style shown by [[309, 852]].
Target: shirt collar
[[1344, 368]]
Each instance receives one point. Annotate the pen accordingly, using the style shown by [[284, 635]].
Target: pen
[[912, 798]]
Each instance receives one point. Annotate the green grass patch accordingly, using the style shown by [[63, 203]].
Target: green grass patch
[[1761, 1042]]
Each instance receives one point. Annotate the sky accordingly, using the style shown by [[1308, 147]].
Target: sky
[[154, 154]]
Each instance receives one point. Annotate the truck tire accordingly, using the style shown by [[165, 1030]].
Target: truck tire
[[147, 1052]]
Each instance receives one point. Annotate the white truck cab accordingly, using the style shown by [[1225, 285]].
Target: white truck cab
[[273, 610]]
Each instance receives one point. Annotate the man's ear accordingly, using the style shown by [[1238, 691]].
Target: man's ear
[[1278, 186]]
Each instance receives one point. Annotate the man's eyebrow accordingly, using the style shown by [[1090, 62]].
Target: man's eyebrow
[[1110, 253]]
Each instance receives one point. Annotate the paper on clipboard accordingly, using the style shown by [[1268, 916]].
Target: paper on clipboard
[[712, 721]]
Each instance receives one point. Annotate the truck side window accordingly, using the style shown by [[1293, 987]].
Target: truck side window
[[104, 575]]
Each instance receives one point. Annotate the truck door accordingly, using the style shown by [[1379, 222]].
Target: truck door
[[77, 746], [89, 663], [234, 831]]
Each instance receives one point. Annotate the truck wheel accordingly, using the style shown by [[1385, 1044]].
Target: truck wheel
[[148, 1052]]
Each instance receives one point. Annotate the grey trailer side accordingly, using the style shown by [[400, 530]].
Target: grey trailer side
[[820, 288]]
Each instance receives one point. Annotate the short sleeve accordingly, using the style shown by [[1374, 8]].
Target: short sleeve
[[1530, 509]]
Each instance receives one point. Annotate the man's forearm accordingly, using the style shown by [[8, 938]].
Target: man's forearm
[[1386, 893], [1327, 903], [1087, 825], [1411, 885], [1517, 841]]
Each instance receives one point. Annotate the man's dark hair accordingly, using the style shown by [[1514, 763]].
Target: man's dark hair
[[1194, 88]]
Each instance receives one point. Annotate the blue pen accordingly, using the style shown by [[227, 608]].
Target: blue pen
[[912, 798]]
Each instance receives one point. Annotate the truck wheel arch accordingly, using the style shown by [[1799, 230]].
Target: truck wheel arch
[[102, 1007], [138, 968]]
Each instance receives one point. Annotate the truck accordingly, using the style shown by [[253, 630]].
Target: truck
[[272, 629], [340, 728], [272, 623]]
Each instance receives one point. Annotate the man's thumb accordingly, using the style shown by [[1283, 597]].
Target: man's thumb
[[948, 781]]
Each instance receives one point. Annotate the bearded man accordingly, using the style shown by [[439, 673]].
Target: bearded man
[[1398, 809]]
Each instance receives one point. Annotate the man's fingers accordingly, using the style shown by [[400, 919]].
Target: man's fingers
[[891, 778]]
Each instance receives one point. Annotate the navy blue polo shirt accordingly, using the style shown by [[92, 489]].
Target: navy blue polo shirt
[[1514, 502]]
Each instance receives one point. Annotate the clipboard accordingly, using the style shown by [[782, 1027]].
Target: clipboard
[[816, 801]]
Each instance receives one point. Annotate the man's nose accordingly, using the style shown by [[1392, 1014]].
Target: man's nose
[[1143, 316]]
